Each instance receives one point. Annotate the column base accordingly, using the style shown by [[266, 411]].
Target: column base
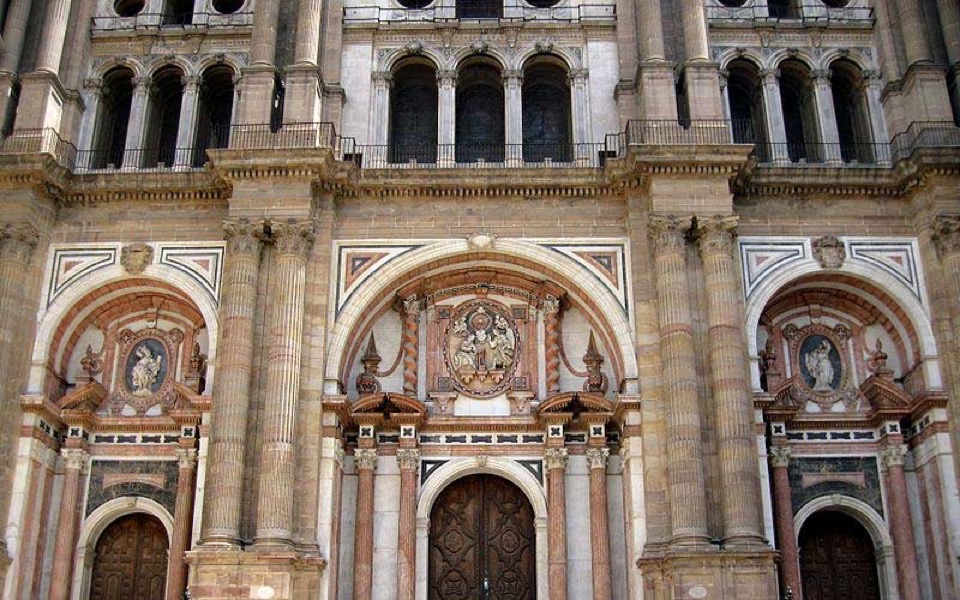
[[303, 103], [710, 575], [235, 574], [923, 96], [702, 81], [256, 98], [42, 98], [658, 97]]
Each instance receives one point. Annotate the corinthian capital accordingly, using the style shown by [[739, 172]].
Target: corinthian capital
[[74, 459], [669, 233], [365, 459], [555, 458], [597, 457], [408, 459], [947, 235], [186, 458], [779, 456], [715, 234], [294, 236], [243, 236], [18, 241], [892, 456]]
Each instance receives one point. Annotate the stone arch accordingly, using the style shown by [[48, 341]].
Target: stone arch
[[803, 56], [491, 54], [186, 67], [747, 54], [457, 468], [231, 60], [560, 55], [853, 55], [390, 61], [871, 521], [94, 526], [52, 318], [129, 62], [608, 310]]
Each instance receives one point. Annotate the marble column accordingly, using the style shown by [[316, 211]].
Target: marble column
[[263, 40], [446, 116], [914, 31], [309, 17], [688, 512], [551, 337], [736, 439], [783, 508], [599, 531], [223, 491], [380, 119], [556, 462], [901, 528], [61, 575], [14, 32], [365, 460], [873, 90], [409, 461], [773, 116], [137, 124], [182, 519], [827, 117], [410, 344], [186, 128], [513, 111], [292, 242], [580, 108], [54, 35]]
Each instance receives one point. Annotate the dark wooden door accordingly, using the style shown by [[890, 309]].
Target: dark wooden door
[[482, 542], [131, 560], [837, 560]]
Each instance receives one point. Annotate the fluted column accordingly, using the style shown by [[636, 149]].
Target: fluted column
[[773, 114], [947, 235], [410, 344], [278, 458], [308, 32], [914, 31], [231, 395], [14, 32], [599, 532], [61, 575], [182, 519], [736, 440], [54, 34], [694, 30], [827, 113], [873, 90], [551, 335], [688, 512], [365, 460], [556, 463], [263, 41], [950, 25], [651, 30], [409, 461], [904, 545], [783, 509]]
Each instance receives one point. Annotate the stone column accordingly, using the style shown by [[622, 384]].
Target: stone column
[[308, 32], [826, 111], [580, 109], [556, 463], [551, 335], [783, 508], [366, 462], [54, 34], [263, 40], [773, 109], [186, 129], [278, 458], [223, 491], [136, 126], [92, 96], [182, 519], [736, 441], [447, 116], [950, 25], [651, 31], [947, 235], [873, 89], [688, 512], [904, 545], [14, 32], [694, 30], [513, 109], [914, 32], [380, 120], [410, 344], [61, 575], [409, 461], [599, 532]]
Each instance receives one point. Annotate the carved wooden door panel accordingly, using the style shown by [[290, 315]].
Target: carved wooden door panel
[[837, 560], [482, 542], [131, 560]]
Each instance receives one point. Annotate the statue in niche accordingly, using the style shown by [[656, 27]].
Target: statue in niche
[[820, 364], [481, 348], [145, 371]]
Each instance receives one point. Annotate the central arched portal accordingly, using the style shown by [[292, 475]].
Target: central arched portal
[[482, 542], [837, 561], [131, 560]]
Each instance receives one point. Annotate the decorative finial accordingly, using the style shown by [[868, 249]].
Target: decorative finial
[[596, 380], [367, 382]]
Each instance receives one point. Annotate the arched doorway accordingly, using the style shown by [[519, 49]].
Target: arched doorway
[[837, 561], [482, 542], [131, 560]]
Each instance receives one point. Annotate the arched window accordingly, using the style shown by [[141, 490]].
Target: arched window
[[177, 12], [784, 9], [214, 111], [799, 112], [480, 113], [853, 116], [479, 9], [163, 117], [747, 114], [413, 113], [546, 112], [110, 137]]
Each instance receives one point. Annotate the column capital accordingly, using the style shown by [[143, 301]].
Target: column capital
[[893, 455], [578, 76], [93, 85], [550, 305], [142, 84], [190, 82], [556, 458], [669, 233], [512, 77], [243, 236], [715, 234], [186, 458], [382, 78], [411, 305], [769, 75], [597, 457], [408, 459], [74, 458], [946, 234], [294, 236], [447, 77], [779, 456], [365, 459], [18, 241], [821, 76]]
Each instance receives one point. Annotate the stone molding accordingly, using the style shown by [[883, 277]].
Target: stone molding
[[556, 458], [18, 241], [408, 459], [365, 459], [243, 236], [779, 456], [597, 457]]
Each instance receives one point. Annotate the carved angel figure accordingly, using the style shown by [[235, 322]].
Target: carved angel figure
[[820, 368], [145, 371]]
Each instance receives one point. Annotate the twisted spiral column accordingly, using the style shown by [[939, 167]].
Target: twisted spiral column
[[551, 335], [410, 344]]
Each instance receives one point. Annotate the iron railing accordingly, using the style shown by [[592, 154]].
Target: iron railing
[[375, 15], [820, 154], [688, 133], [141, 159], [265, 136], [479, 156], [42, 141], [146, 20], [925, 134], [805, 12]]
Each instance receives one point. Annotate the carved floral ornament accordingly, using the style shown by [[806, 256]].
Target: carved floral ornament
[[481, 348]]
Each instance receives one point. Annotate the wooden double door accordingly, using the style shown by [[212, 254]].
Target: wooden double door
[[837, 561], [482, 542], [131, 560]]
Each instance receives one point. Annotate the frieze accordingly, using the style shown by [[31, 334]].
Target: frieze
[[110, 479], [815, 477]]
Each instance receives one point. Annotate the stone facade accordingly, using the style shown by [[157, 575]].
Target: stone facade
[[275, 275]]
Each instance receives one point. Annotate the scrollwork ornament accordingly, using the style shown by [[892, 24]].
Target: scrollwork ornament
[[779, 456], [365, 459], [556, 458], [243, 236], [716, 234], [597, 457], [893, 455], [669, 233], [18, 241], [408, 459], [294, 237], [947, 235]]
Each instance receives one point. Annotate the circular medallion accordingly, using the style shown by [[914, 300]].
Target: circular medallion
[[481, 349]]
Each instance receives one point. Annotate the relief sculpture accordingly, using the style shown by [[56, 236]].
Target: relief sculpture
[[481, 349]]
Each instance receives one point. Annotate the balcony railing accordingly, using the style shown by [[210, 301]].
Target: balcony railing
[[848, 154], [40, 141], [479, 156], [141, 159], [286, 136], [690, 133], [375, 15], [805, 12], [144, 21], [925, 134]]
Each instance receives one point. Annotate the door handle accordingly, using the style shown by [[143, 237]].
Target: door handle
[[486, 588]]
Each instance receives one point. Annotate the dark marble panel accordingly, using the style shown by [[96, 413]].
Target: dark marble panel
[[157, 471], [814, 477]]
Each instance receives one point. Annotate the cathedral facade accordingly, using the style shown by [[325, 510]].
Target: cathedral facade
[[479, 299]]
